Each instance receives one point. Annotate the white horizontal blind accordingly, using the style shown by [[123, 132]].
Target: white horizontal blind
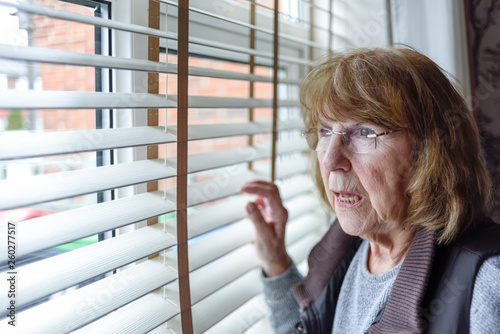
[[182, 259], [223, 267], [127, 282]]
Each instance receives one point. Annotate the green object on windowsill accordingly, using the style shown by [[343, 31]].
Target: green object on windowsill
[[15, 120], [78, 243]]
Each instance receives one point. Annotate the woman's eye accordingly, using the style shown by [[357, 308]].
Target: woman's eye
[[324, 132], [363, 132]]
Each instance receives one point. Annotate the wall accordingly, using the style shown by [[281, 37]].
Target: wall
[[484, 42]]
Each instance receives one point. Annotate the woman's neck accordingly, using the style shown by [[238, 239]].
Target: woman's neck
[[387, 251]]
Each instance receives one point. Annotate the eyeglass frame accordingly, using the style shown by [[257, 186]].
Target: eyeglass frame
[[345, 139]]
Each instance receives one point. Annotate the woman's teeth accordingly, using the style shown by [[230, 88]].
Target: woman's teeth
[[345, 199]]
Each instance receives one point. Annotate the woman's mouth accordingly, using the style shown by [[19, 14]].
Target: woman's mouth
[[347, 199]]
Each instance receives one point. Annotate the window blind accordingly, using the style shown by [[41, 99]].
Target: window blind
[[198, 97]]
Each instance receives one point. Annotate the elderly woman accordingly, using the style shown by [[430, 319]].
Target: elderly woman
[[398, 159]]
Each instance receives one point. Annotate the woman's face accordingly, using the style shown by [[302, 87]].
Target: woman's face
[[367, 190]]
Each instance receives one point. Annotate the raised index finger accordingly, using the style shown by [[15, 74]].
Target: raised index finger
[[267, 190], [269, 196]]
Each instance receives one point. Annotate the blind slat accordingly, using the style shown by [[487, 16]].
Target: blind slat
[[299, 250], [81, 100], [206, 191], [301, 41], [262, 326], [312, 4], [242, 318], [291, 167], [229, 47], [162, 329], [210, 248], [240, 54], [140, 316], [91, 100], [95, 300], [291, 146], [216, 159], [289, 125], [50, 187], [207, 131], [45, 277], [26, 7], [221, 303], [219, 272], [17, 145], [210, 218], [215, 275], [295, 60], [60, 228], [208, 72], [226, 102], [52, 56], [211, 73], [207, 219], [297, 185], [224, 54], [248, 25], [223, 18], [301, 204], [225, 185], [302, 225]]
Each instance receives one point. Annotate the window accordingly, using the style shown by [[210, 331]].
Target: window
[[137, 134]]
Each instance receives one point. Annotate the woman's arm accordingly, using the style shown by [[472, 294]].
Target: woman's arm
[[284, 311], [485, 305], [269, 217]]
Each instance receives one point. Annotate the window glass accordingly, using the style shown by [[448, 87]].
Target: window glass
[[49, 33]]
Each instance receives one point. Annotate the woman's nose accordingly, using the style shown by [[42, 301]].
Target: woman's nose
[[336, 155]]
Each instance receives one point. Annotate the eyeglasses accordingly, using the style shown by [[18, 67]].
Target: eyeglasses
[[358, 139]]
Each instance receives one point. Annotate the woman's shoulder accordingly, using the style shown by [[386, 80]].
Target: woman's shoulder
[[481, 238], [485, 306], [489, 272]]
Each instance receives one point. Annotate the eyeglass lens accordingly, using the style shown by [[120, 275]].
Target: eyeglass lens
[[355, 139]]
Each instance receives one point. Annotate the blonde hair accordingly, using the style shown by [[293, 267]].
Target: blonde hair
[[401, 89]]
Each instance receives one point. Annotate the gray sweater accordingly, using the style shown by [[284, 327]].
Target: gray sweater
[[363, 295]]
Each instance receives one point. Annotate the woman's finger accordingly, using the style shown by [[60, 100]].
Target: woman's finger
[[269, 217], [268, 191], [255, 216]]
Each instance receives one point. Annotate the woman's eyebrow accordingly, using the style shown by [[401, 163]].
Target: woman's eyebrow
[[367, 125], [322, 123], [351, 125]]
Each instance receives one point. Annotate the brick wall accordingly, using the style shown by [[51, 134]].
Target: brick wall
[[68, 36]]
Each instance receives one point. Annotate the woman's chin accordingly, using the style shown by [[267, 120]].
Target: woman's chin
[[354, 227]]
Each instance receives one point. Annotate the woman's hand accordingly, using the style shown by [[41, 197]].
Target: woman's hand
[[269, 217]]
